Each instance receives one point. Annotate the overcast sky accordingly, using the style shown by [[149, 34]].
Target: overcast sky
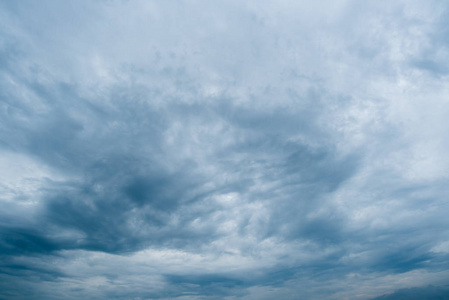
[[224, 149]]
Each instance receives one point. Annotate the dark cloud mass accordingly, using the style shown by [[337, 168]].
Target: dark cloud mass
[[429, 292], [224, 150]]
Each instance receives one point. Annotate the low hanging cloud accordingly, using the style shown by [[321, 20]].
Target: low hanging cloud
[[223, 150]]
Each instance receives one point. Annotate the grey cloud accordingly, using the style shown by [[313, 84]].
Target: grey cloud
[[241, 151], [430, 292], [431, 66]]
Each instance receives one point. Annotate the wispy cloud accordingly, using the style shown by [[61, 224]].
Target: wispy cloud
[[223, 150]]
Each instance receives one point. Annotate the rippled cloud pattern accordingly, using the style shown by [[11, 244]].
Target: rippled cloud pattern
[[224, 149]]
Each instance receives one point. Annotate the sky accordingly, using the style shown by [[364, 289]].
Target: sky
[[237, 150]]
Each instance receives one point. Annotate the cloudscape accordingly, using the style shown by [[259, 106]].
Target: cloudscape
[[227, 149]]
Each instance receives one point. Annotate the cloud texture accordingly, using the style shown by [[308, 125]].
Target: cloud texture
[[224, 149]]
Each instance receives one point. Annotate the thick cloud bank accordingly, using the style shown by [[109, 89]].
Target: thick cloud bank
[[224, 149]]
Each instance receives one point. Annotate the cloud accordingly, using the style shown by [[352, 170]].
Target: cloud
[[430, 292], [223, 151]]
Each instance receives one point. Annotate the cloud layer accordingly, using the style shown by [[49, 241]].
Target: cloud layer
[[224, 150]]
